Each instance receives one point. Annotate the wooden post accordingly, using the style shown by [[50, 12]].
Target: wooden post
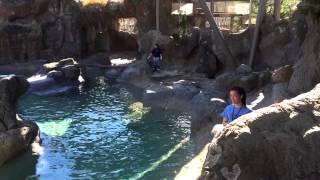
[[277, 9], [157, 15], [250, 12], [261, 14], [222, 51]]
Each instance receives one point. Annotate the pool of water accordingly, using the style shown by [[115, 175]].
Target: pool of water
[[102, 132]]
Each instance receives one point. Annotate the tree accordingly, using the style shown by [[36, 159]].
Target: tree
[[222, 51]]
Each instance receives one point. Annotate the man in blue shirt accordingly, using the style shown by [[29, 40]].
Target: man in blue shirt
[[238, 107]]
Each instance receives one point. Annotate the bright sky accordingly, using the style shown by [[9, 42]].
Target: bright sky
[[86, 2]]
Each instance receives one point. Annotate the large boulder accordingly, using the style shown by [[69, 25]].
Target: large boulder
[[208, 62], [273, 42], [56, 78], [11, 89], [281, 41], [282, 74], [189, 42], [276, 142], [307, 70], [205, 112], [175, 95], [16, 135], [243, 78], [240, 44]]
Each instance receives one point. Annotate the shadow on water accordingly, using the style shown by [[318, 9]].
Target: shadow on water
[[20, 168]]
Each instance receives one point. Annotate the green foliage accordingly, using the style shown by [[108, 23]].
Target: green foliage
[[287, 7], [182, 28]]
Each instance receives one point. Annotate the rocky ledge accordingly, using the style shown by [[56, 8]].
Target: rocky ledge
[[16, 135]]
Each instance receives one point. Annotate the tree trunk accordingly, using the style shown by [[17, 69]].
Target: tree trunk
[[157, 15], [261, 14], [277, 9], [221, 49]]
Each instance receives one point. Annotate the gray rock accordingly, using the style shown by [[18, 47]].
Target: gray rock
[[16, 135], [56, 75], [307, 70], [113, 73], [276, 142], [240, 44], [189, 42], [264, 78], [174, 96], [11, 89], [282, 74], [249, 82], [133, 71], [244, 69], [39, 29], [274, 39], [56, 78], [71, 72], [56, 65], [279, 91], [227, 80], [208, 64]]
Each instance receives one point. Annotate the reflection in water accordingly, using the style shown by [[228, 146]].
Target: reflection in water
[[55, 128], [90, 135], [19, 168]]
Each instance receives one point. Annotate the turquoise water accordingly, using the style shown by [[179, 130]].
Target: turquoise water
[[102, 132]]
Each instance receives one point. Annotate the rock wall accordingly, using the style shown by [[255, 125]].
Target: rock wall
[[39, 29], [55, 29], [16, 135], [281, 41], [307, 70], [276, 142]]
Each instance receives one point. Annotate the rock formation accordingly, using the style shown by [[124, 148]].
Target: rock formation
[[56, 78], [307, 70], [39, 29], [16, 135]]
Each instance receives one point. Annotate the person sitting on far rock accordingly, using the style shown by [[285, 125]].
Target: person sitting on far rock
[[238, 107], [157, 56]]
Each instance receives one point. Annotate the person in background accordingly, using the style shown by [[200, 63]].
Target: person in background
[[238, 107], [157, 56]]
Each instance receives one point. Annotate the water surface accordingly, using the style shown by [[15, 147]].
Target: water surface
[[102, 132]]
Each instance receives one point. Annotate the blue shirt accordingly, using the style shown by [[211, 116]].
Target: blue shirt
[[231, 112]]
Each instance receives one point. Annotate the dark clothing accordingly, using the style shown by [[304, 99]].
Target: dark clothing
[[156, 52]]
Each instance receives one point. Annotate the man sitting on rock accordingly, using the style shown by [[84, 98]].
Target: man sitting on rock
[[235, 110], [157, 56]]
